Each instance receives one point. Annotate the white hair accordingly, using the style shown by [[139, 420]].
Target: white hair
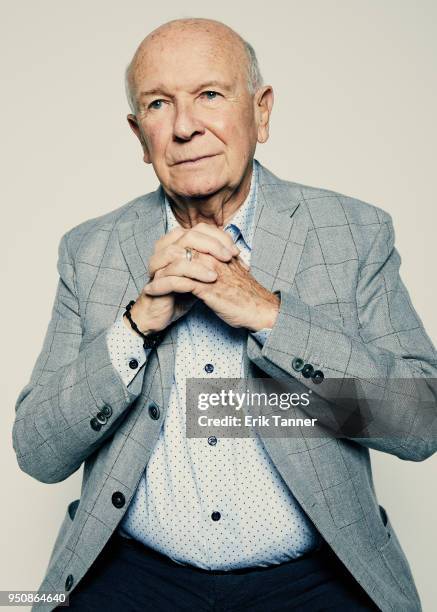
[[254, 78]]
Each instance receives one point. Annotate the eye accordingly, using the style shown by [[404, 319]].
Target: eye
[[156, 104], [210, 95]]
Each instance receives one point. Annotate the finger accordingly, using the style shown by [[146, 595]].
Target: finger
[[189, 269], [169, 238], [176, 254], [169, 284], [219, 234], [166, 256], [205, 244]]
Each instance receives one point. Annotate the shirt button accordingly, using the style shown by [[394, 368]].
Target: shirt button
[[212, 440], [133, 364], [209, 368], [215, 516]]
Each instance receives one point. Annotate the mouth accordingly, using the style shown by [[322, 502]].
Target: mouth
[[195, 160]]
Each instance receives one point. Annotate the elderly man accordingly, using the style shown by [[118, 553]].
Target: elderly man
[[225, 271]]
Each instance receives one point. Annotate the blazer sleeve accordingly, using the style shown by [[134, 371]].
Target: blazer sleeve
[[390, 363], [75, 398]]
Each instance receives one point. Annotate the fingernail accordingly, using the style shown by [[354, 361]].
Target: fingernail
[[211, 274]]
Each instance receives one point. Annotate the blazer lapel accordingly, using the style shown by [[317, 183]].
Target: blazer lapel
[[137, 238], [281, 227], [138, 235], [279, 235]]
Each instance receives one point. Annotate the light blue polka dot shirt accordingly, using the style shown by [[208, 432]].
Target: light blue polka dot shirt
[[216, 504]]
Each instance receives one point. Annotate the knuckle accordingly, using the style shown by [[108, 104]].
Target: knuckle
[[203, 258], [173, 250], [190, 233], [210, 262]]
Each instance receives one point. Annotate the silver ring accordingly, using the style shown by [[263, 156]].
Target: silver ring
[[188, 253]]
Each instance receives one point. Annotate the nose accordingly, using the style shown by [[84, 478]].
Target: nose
[[186, 124]]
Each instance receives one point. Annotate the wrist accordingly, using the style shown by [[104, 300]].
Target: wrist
[[139, 313], [150, 338], [131, 329], [268, 316]]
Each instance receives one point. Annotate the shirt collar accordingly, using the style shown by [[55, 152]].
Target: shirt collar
[[241, 223]]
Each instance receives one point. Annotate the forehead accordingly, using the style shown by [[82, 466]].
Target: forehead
[[183, 59]]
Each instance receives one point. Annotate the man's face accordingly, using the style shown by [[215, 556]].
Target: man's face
[[196, 119]]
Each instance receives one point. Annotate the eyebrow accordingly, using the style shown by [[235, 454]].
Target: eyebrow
[[160, 90]]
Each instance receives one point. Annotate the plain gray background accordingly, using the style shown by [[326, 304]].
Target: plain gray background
[[355, 112]]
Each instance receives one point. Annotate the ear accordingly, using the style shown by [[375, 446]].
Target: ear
[[263, 101], [136, 129]]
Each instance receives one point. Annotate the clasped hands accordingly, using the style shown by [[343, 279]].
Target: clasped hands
[[216, 275]]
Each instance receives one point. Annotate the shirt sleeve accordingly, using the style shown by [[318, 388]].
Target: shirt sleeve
[[126, 351], [261, 335]]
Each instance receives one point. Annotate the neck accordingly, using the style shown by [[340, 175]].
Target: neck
[[216, 209]]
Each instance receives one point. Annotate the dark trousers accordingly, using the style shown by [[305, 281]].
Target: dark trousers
[[130, 577]]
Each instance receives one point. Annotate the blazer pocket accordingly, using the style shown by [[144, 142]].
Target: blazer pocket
[[395, 559]]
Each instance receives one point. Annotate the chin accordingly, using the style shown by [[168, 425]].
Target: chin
[[197, 188]]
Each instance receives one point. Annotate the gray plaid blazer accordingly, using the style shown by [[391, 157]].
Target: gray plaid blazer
[[344, 309]]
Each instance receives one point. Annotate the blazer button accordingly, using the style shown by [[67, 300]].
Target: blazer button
[[154, 412], [106, 411], [212, 440], [133, 364], [317, 377], [118, 499], [69, 582], [307, 370], [100, 417], [215, 516], [297, 364], [95, 424]]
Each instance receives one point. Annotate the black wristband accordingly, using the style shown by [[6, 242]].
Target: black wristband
[[150, 340]]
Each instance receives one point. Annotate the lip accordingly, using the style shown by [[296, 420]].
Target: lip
[[195, 160]]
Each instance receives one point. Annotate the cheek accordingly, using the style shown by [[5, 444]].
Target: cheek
[[236, 130], [155, 135]]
